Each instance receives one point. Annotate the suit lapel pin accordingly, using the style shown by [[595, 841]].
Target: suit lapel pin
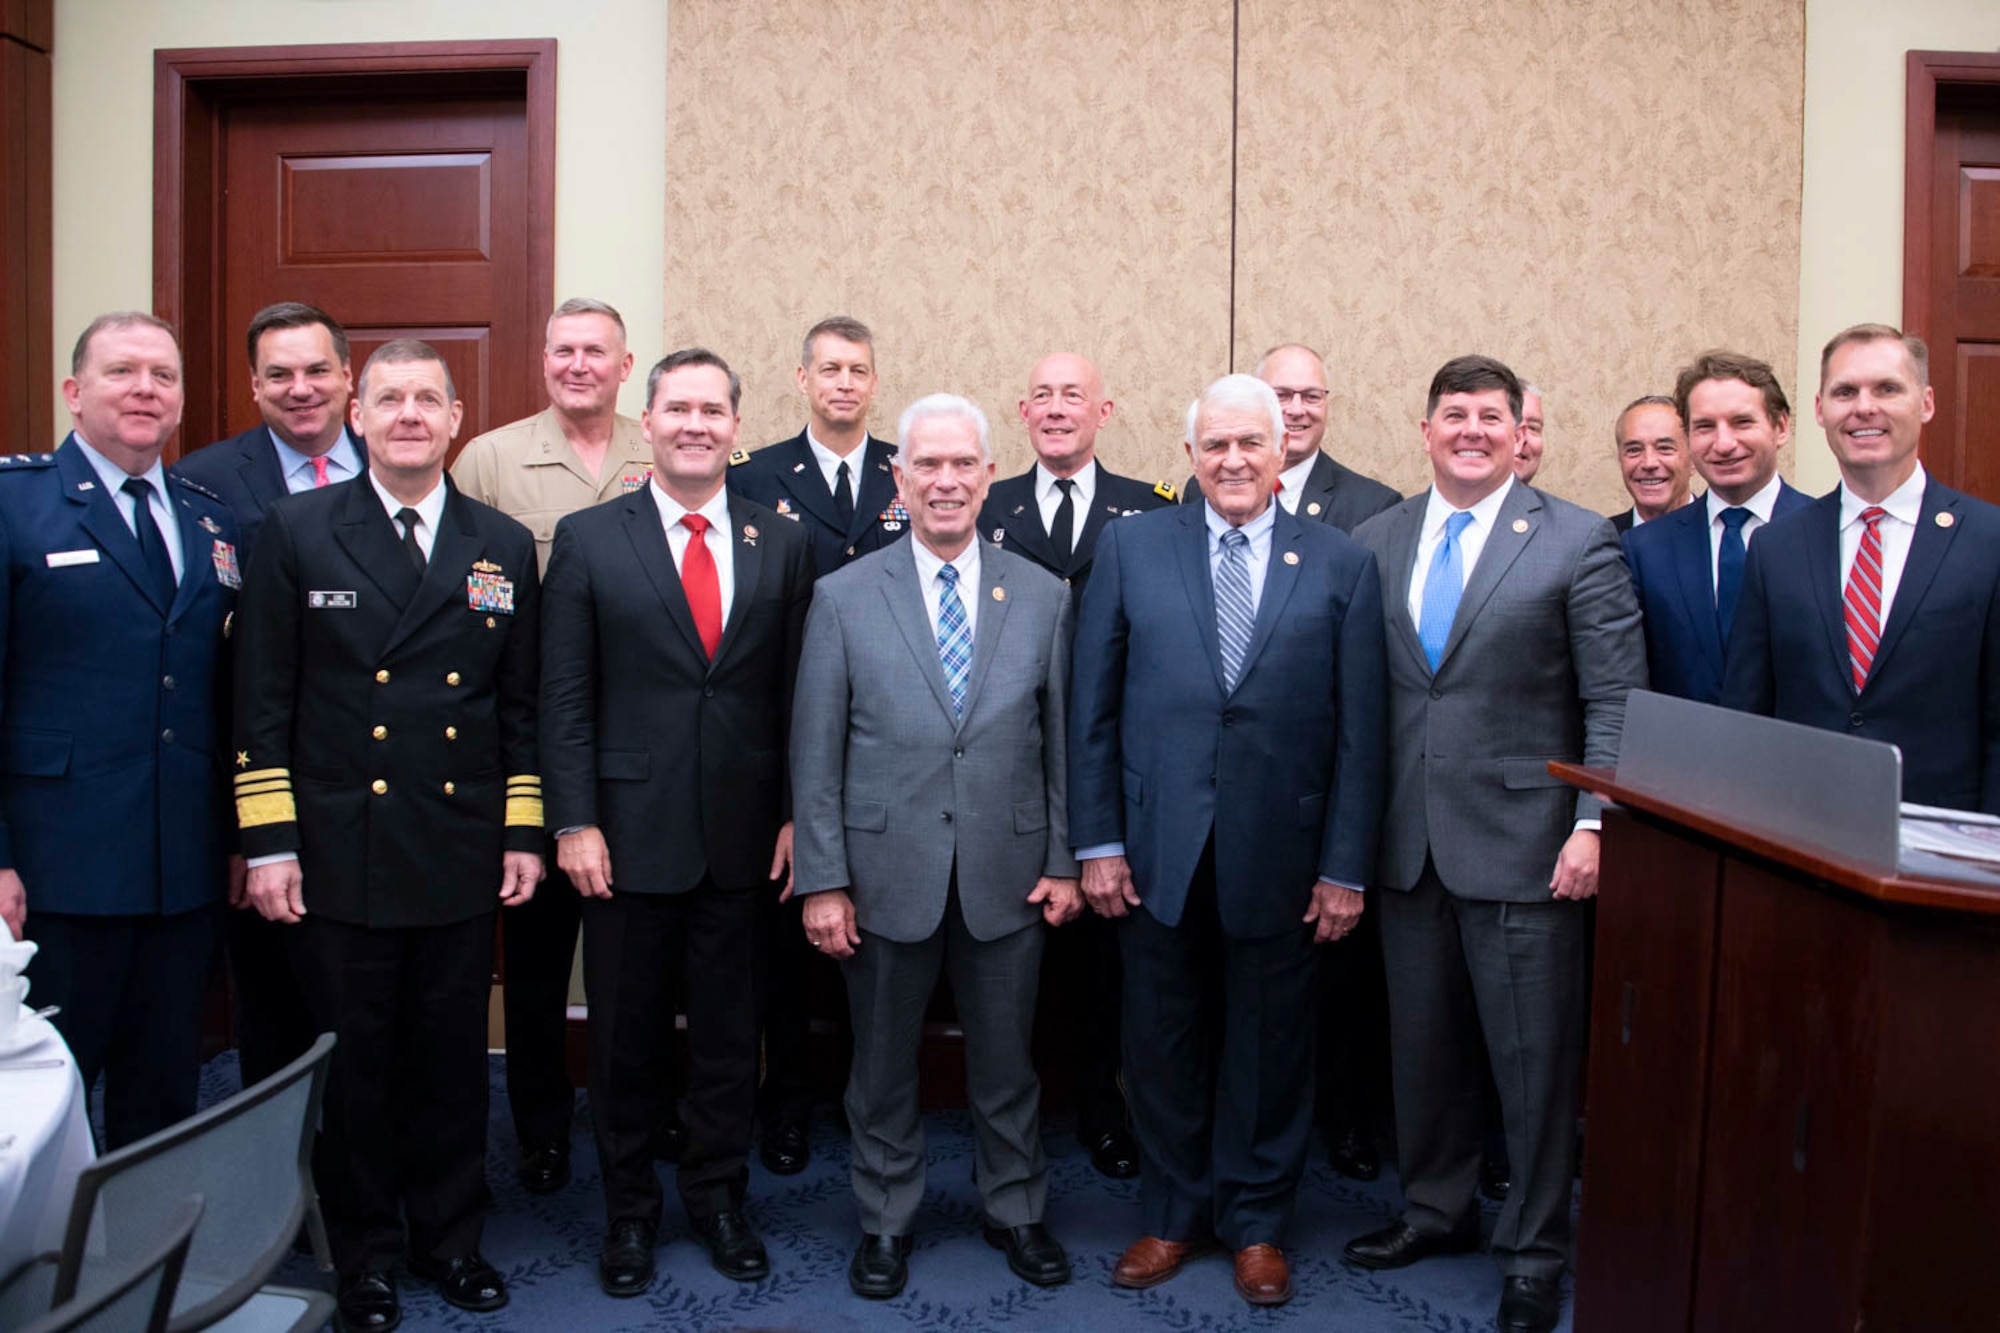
[[798, 467], [1291, 557], [1944, 520], [1313, 509], [1520, 525], [881, 467], [209, 525], [81, 485], [1019, 508], [999, 594], [999, 536], [749, 535]]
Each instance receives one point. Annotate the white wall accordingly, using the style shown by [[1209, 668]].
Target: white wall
[[611, 97], [1851, 239]]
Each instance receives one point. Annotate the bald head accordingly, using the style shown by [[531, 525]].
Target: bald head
[[1298, 376], [1064, 408]]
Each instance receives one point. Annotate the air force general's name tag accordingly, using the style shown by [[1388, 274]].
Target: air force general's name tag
[[330, 601]]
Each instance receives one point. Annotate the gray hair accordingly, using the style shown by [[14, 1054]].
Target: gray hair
[[584, 305], [950, 406], [1239, 390], [1529, 390]]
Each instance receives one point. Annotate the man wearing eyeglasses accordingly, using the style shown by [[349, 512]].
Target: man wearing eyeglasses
[[1312, 485]]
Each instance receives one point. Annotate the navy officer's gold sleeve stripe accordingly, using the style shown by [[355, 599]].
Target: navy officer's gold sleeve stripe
[[264, 796], [524, 801]]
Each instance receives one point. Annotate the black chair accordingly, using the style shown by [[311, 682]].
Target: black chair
[[138, 1299]]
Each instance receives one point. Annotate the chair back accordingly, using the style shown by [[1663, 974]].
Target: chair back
[[137, 1298], [249, 1156]]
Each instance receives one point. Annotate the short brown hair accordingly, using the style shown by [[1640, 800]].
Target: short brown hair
[[1721, 365], [693, 356], [402, 352], [1474, 374], [117, 319], [1920, 355], [844, 327], [294, 315]]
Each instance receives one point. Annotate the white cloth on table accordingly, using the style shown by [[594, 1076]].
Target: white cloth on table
[[43, 1113]]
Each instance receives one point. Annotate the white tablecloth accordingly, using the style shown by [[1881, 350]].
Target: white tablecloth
[[45, 1112]]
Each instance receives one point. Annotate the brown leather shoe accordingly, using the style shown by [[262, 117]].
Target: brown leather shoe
[[1149, 1261], [1261, 1275]]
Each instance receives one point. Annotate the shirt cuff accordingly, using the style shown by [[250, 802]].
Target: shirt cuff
[[271, 860], [573, 828], [1342, 884], [1098, 850], [1588, 826]]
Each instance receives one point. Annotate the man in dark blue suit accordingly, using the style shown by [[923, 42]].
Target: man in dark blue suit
[[1687, 565], [1226, 761], [299, 375], [1875, 611], [119, 588]]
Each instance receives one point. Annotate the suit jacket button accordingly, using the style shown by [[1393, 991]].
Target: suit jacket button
[[946, 816], [451, 733], [381, 733], [379, 787], [449, 789], [1855, 719], [167, 736], [1229, 719], [708, 691], [167, 683], [958, 754], [451, 678], [382, 677], [1437, 694]]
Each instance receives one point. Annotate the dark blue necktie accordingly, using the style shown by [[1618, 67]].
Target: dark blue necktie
[[152, 542], [1729, 569]]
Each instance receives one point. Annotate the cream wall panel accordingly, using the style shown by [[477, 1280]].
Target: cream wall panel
[[610, 132], [1590, 192], [1851, 253], [981, 181]]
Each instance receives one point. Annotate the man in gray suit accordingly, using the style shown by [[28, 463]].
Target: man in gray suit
[[928, 787], [1513, 640]]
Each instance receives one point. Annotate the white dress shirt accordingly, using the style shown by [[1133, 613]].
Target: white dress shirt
[[1292, 482], [1048, 496], [429, 510], [1905, 505], [829, 463], [966, 562], [111, 477], [1760, 506], [343, 463], [720, 537], [1471, 541], [1257, 555]]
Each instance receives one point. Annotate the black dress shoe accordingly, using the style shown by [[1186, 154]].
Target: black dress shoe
[[368, 1303], [670, 1140], [1114, 1154], [1032, 1253], [468, 1282], [1352, 1155], [1493, 1181], [733, 1246], [1398, 1246], [881, 1266], [545, 1169], [625, 1265], [1529, 1305], [784, 1150]]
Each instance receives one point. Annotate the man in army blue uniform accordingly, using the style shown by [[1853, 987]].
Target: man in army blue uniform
[[117, 598]]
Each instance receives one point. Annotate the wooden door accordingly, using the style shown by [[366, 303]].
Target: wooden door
[[406, 189], [400, 218], [1952, 260]]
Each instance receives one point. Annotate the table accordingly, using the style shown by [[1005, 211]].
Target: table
[[46, 1113]]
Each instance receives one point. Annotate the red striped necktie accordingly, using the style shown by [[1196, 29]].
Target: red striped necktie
[[1863, 598]]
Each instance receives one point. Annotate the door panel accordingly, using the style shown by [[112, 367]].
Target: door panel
[[1962, 444]]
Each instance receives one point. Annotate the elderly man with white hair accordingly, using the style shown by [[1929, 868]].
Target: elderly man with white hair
[[928, 790], [1226, 760]]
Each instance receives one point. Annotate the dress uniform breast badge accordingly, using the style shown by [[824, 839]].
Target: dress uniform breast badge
[[487, 589], [633, 481], [784, 507], [895, 516], [227, 572], [210, 526]]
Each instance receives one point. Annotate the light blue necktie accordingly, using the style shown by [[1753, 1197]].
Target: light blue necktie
[[954, 640], [1235, 614], [1443, 586]]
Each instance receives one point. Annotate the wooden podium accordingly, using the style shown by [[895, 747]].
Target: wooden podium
[[1794, 1085]]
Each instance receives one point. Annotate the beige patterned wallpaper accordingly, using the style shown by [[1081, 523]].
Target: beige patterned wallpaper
[[1591, 192]]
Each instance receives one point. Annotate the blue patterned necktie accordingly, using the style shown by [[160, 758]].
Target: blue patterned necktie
[[954, 640], [1729, 569], [1443, 586], [1235, 614]]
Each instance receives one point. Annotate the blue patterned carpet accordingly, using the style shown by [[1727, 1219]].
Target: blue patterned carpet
[[547, 1248]]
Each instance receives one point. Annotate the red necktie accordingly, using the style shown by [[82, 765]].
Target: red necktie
[[1863, 598], [319, 471], [699, 582], [1279, 489]]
